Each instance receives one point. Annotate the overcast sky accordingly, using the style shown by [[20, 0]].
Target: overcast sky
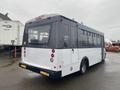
[[103, 15]]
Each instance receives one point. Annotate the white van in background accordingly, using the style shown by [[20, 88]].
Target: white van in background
[[11, 33]]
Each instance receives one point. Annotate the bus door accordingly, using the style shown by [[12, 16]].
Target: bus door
[[70, 51], [74, 50], [102, 48]]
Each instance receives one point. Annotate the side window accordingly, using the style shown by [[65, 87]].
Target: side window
[[66, 36], [80, 37], [102, 41], [73, 37], [96, 42], [90, 39], [85, 41]]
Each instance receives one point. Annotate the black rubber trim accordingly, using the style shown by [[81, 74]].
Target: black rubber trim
[[52, 74]]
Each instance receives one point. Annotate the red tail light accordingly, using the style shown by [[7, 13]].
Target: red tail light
[[52, 55], [53, 50], [24, 52]]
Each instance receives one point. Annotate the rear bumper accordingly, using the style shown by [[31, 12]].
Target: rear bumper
[[45, 72]]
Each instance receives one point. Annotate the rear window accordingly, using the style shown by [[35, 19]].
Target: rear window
[[39, 35]]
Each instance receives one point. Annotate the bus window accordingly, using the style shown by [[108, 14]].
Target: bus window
[[95, 39], [84, 39], [80, 38], [73, 37], [66, 36], [38, 35], [90, 39]]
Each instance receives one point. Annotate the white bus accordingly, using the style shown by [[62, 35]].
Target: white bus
[[56, 46]]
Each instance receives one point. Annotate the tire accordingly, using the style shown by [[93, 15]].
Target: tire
[[83, 67], [103, 60]]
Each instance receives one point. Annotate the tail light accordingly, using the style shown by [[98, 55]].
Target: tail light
[[53, 50], [24, 52], [52, 55]]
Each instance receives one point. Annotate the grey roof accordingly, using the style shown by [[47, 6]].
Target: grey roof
[[42, 17], [84, 27], [4, 17]]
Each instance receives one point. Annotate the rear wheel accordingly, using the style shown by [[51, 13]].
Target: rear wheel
[[103, 60], [83, 67]]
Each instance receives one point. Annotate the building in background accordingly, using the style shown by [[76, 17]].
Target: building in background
[[4, 17]]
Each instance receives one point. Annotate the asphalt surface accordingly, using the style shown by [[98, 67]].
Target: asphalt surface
[[5, 60], [103, 76]]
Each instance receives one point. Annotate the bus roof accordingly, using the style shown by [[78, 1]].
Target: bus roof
[[43, 17], [81, 26]]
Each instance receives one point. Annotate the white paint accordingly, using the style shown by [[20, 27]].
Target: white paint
[[11, 30], [69, 59]]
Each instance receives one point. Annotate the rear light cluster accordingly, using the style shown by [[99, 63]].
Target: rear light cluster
[[52, 55], [52, 58], [24, 52]]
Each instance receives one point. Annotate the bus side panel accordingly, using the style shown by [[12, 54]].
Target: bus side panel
[[70, 66], [66, 61], [93, 55]]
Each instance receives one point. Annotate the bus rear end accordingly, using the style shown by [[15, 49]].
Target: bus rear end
[[38, 53]]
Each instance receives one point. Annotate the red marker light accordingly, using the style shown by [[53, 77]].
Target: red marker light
[[53, 50], [52, 55], [24, 52]]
